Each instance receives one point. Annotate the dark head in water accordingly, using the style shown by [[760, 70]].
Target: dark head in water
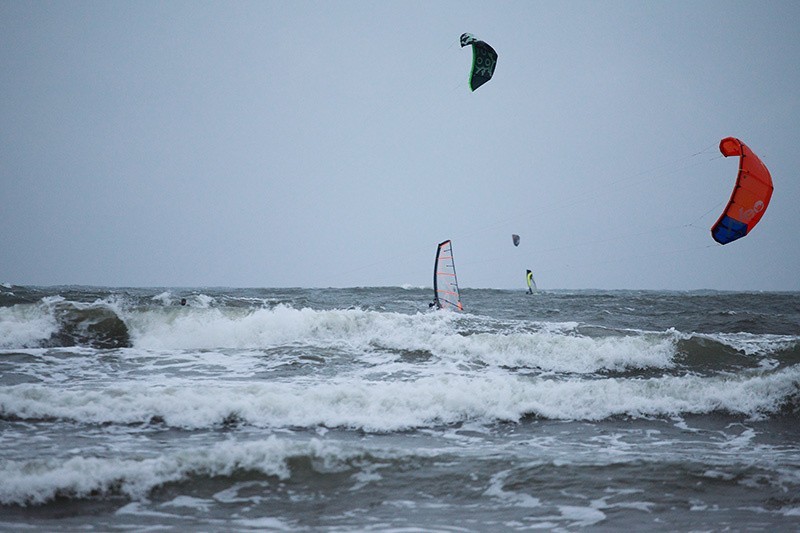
[[183, 301]]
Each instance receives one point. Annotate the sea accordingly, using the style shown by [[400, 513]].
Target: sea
[[361, 409]]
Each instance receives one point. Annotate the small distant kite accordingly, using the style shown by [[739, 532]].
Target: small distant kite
[[484, 59], [515, 239], [750, 196]]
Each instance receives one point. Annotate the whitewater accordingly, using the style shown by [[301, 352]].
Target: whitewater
[[362, 409]]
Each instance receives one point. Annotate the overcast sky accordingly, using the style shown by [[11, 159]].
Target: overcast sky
[[335, 143]]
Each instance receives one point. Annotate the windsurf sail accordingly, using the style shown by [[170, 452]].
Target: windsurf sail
[[750, 196], [531, 282], [445, 283]]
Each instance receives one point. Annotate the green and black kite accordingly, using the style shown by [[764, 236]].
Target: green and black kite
[[484, 59]]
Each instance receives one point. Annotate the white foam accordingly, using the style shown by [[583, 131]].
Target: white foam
[[264, 524], [740, 442], [440, 399], [198, 504], [457, 338], [137, 509], [203, 301], [756, 344], [37, 481], [508, 497], [581, 516], [562, 353], [441, 334], [26, 326], [212, 328], [232, 494], [165, 298]]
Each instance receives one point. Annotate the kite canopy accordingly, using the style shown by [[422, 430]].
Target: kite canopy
[[515, 239], [484, 59], [750, 196]]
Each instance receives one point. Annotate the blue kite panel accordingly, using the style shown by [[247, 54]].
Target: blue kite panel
[[728, 229]]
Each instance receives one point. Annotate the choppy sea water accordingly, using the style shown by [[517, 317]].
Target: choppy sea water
[[360, 409]]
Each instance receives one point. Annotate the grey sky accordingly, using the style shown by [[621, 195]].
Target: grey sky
[[320, 144]]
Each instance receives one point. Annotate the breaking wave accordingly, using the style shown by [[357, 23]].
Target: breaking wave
[[384, 406]]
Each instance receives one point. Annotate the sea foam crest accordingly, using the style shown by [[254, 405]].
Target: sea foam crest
[[562, 353], [383, 406], [27, 326], [280, 325], [757, 345], [444, 335], [38, 481]]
